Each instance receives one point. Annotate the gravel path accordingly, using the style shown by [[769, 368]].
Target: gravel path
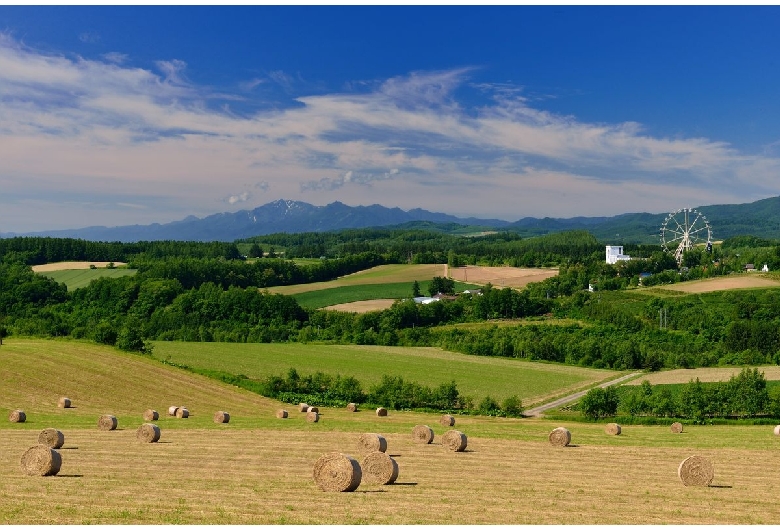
[[539, 411]]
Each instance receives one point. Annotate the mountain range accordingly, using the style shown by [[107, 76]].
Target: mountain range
[[760, 219]]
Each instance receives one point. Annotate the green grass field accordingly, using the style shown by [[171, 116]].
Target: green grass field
[[475, 376], [355, 293], [75, 279]]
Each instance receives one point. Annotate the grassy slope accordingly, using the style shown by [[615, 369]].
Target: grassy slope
[[257, 470], [474, 376], [75, 279]]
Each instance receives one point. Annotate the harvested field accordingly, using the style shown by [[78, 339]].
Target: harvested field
[[734, 281], [73, 265], [705, 375], [500, 277], [363, 306]]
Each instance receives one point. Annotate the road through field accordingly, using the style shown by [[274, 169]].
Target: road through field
[[539, 411]]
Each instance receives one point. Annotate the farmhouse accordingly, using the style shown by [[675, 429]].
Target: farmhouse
[[615, 254]]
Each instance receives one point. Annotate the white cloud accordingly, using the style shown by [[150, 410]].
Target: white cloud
[[109, 128]]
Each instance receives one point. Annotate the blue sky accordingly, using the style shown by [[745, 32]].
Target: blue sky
[[140, 114]]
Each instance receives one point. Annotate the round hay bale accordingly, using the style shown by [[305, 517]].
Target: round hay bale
[[352, 407], [312, 417], [777, 430], [107, 422], [51, 438], [422, 434], [454, 441], [312, 409], [337, 472], [221, 417], [151, 415], [172, 410], [447, 420], [148, 433], [281, 414], [371, 442], [560, 436], [17, 416], [303, 407], [41, 460], [677, 427], [613, 429], [379, 468], [64, 403], [182, 412], [696, 471], [381, 411]]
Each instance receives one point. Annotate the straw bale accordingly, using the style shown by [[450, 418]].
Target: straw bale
[[352, 407], [148, 433], [370, 442], [172, 410], [107, 422], [379, 468], [447, 420], [560, 436], [422, 434], [613, 429], [381, 411], [221, 417], [454, 441], [281, 414], [312, 409], [777, 430], [337, 472], [696, 471], [182, 412], [303, 407], [677, 427], [17, 416], [64, 403], [312, 417], [151, 415], [51, 438], [41, 460]]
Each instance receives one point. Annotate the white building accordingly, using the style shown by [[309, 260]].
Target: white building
[[615, 254]]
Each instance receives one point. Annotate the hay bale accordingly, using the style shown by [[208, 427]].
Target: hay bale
[[303, 407], [422, 434], [370, 442], [677, 427], [777, 430], [64, 403], [312, 409], [51, 438], [381, 411], [447, 420], [148, 433], [41, 460], [312, 417], [454, 441], [221, 417], [352, 407], [560, 436], [281, 414], [696, 471], [172, 410], [379, 468], [337, 472], [613, 429], [107, 422], [151, 415], [17, 416], [182, 412]]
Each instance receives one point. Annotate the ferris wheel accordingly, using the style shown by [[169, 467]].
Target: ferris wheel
[[683, 230]]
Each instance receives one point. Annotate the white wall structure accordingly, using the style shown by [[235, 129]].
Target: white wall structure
[[615, 254]]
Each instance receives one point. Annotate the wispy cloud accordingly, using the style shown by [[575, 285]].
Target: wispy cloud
[[105, 125]]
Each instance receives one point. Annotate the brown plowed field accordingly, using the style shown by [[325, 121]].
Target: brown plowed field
[[748, 280], [500, 276], [73, 265]]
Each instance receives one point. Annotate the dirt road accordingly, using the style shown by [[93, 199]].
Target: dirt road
[[539, 411]]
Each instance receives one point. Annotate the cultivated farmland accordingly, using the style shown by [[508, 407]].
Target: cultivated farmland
[[258, 469], [76, 274]]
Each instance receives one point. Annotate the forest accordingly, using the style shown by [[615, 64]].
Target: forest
[[212, 292]]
